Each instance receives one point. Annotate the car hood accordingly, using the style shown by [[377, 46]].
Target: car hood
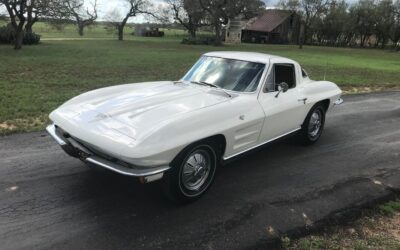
[[135, 108]]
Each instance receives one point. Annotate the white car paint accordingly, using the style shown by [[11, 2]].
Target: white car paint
[[148, 124]]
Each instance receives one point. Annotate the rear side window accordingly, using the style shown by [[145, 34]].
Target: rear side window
[[304, 73]]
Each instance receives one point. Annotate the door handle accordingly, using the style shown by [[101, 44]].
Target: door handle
[[302, 100]]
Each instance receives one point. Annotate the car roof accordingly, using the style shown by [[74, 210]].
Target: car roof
[[245, 56]]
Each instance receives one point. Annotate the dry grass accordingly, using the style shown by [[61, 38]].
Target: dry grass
[[369, 89], [380, 229]]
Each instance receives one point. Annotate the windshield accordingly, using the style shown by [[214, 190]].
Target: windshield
[[225, 73]]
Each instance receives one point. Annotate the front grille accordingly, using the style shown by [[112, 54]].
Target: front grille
[[61, 133], [93, 150], [101, 154]]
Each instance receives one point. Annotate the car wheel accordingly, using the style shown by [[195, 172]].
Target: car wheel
[[192, 173], [313, 125]]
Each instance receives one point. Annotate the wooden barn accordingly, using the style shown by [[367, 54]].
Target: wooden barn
[[274, 26]]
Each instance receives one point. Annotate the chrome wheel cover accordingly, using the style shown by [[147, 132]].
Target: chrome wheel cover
[[196, 170], [314, 126]]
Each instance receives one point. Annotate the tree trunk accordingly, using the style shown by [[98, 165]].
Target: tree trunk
[[384, 42], [29, 24], [19, 36], [120, 32], [192, 33], [363, 40], [301, 36], [218, 39], [121, 27], [30, 19], [305, 34], [80, 29], [18, 27], [28, 27], [191, 28], [377, 41]]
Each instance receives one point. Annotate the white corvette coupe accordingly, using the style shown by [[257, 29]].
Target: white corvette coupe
[[227, 104]]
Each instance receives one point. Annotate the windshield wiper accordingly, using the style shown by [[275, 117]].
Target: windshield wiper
[[211, 85]]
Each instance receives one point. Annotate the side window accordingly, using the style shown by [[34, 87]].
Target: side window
[[284, 73], [280, 73]]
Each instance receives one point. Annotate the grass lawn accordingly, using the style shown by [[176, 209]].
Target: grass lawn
[[38, 78]]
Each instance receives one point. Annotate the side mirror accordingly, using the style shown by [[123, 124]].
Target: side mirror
[[283, 87]]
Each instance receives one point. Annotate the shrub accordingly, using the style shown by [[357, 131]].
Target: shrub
[[199, 41], [7, 36], [31, 38], [390, 208]]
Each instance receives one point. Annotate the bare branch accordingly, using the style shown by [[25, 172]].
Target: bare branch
[[75, 9]]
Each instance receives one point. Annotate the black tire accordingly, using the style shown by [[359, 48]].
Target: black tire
[[174, 185], [307, 135]]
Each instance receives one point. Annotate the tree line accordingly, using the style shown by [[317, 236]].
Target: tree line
[[373, 23], [23, 14], [323, 22], [191, 14]]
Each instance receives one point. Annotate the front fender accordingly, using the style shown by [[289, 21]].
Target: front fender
[[239, 120]]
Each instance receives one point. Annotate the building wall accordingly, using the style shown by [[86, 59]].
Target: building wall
[[233, 33], [288, 31]]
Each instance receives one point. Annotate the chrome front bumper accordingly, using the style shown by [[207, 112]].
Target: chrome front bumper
[[77, 150]]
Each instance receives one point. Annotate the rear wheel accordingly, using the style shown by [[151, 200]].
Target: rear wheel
[[313, 125], [192, 173]]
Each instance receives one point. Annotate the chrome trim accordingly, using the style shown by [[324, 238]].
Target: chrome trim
[[71, 146], [125, 170], [51, 129], [338, 101], [258, 145]]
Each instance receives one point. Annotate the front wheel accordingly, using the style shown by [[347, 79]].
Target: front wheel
[[313, 125], [192, 173]]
